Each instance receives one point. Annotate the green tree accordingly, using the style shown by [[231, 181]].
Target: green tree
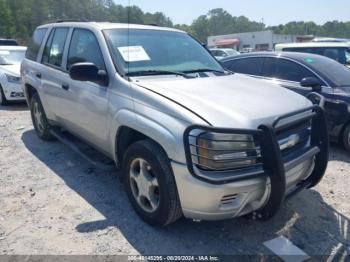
[[157, 18], [19, 18], [6, 24]]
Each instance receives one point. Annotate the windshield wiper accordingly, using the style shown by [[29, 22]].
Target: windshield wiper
[[199, 70], [158, 72]]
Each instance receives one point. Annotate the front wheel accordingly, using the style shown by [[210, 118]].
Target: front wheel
[[346, 138], [41, 125], [150, 183]]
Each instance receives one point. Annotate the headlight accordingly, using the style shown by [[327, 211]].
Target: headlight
[[13, 79], [219, 151]]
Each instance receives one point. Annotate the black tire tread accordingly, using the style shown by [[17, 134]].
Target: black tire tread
[[175, 210], [345, 138], [46, 135]]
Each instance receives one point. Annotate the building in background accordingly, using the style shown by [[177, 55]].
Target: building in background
[[257, 41]]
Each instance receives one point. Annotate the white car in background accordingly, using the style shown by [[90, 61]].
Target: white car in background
[[221, 53], [10, 80]]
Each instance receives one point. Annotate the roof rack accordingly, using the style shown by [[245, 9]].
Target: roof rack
[[72, 20]]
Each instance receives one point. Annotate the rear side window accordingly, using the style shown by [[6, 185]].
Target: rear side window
[[286, 70], [35, 43], [248, 66], [53, 52], [84, 47], [336, 53]]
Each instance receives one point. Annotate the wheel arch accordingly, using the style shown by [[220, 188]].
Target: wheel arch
[[342, 130], [29, 91], [128, 127], [125, 137]]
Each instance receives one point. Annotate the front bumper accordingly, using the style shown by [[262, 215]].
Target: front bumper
[[13, 92], [260, 194]]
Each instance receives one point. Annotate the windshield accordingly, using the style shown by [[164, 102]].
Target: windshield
[[336, 73], [11, 57], [138, 50]]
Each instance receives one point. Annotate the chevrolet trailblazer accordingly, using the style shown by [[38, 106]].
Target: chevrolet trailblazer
[[192, 139]]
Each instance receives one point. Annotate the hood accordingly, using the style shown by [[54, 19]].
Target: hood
[[11, 69], [234, 101]]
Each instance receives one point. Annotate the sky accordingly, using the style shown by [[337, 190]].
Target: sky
[[273, 12]]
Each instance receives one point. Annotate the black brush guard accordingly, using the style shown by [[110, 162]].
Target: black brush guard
[[275, 168], [273, 164]]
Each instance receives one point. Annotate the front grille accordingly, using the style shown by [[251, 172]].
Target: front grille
[[294, 139]]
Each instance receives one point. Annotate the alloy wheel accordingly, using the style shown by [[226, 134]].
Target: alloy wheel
[[38, 117], [144, 185]]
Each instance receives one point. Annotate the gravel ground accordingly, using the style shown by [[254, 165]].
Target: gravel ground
[[53, 202]]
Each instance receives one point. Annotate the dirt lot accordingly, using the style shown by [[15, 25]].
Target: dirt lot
[[53, 202]]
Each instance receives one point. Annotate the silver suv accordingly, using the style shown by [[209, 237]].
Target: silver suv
[[191, 138]]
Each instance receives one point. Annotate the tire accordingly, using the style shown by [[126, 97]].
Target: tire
[[3, 100], [40, 123], [346, 138], [164, 208]]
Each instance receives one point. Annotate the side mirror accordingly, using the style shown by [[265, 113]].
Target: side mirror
[[88, 72], [312, 82]]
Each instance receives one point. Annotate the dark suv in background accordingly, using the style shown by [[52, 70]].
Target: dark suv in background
[[304, 73], [338, 51]]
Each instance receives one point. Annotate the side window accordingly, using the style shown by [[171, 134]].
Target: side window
[[347, 55], [309, 50], [84, 47], [337, 54], [249, 66], [45, 58], [53, 52], [35, 44], [285, 70], [222, 53]]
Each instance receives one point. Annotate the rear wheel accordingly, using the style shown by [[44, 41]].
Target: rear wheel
[[346, 138], [150, 183], [3, 100], [41, 125]]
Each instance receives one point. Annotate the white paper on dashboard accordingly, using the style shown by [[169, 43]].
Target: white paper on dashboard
[[133, 53]]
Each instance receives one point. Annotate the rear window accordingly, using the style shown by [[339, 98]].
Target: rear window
[[338, 74], [53, 52], [35, 43]]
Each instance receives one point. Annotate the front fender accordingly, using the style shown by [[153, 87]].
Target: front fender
[[165, 130]]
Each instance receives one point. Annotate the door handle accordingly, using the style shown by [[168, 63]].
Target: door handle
[[65, 86], [38, 75]]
